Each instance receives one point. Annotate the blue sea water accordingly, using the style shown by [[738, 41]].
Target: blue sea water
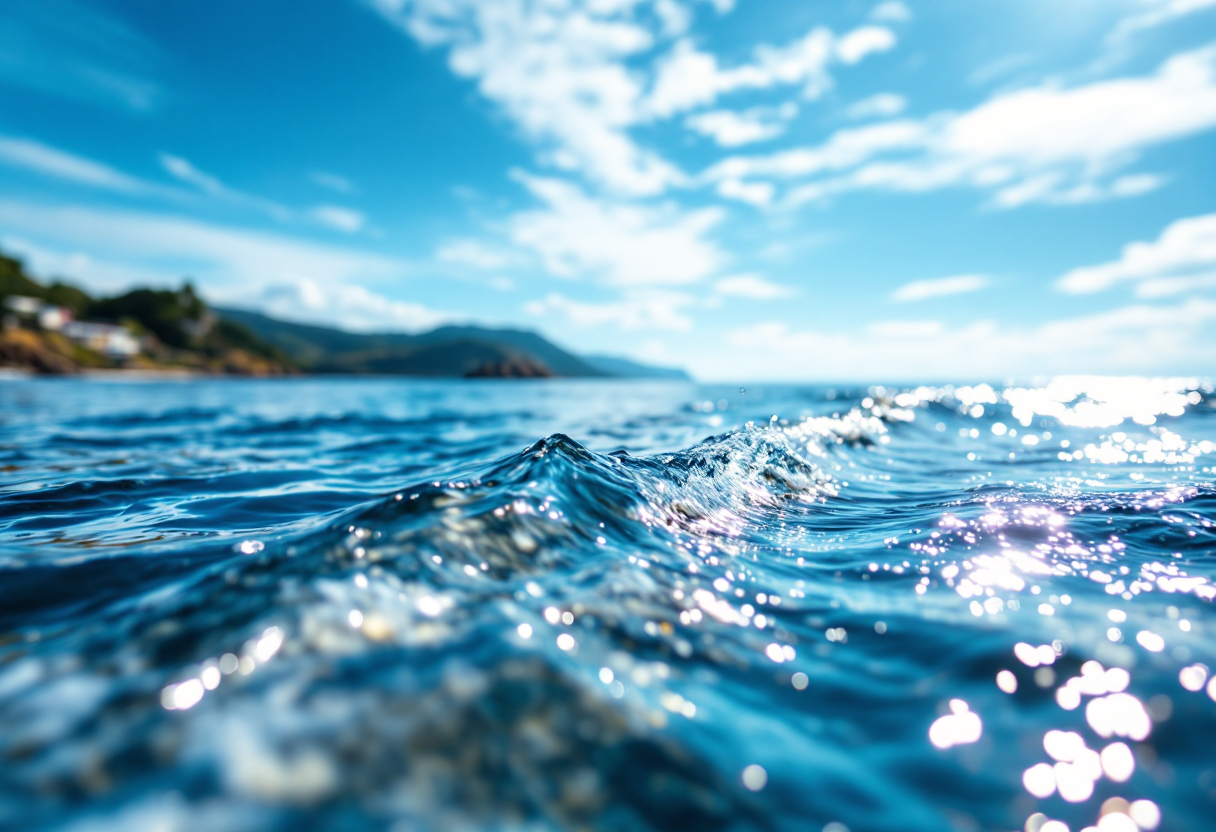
[[407, 605]]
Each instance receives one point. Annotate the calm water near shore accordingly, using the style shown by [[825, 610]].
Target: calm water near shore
[[407, 605]]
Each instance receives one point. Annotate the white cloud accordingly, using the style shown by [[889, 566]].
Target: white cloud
[[576, 78], [1050, 125], [1043, 144], [753, 193], [1053, 188], [882, 105], [675, 17], [84, 269], [1184, 249], [867, 40], [559, 73], [637, 310], [182, 170], [751, 286], [939, 287], [1143, 338], [575, 235], [349, 306], [688, 78], [892, 11], [1000, 67], [337, 217], [59, 164], [185, 171], [733, 129], [49, 161], [1161, 287], [474, 253], [332, 181], [1158, 12], [900, 330], [45, 160], [845, 149], [279, 275]]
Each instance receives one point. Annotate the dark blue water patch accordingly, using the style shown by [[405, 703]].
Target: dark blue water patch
[[194, 417], [355, 423], [79, 501], [109, 441], [58, 594]]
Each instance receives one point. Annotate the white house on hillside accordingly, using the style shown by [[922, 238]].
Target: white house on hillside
[[48, 315], [107, 339]]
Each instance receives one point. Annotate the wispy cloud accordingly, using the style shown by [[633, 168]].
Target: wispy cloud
[[342, 219], [1163, 287], [751, 286], [867, 40], [1153, 13], [1000, 67], [845, 149], [734, 129], [332, 181], [559, 73], [185, 171], [1186, 249], [1143, 338], [476, 254], [891, 11], [181, 169], [337, 217], [882, 105], [1042, 144], [650, 309], [74, 50], [350, 306], [50, 161], [901, 330], [759, 194], [45, 160], [939, 287], [305, 299], [84, 268], [577, 80], [237, 265], [576, 235], [688, 78]]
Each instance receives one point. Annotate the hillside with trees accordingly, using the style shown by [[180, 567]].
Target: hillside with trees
[[59, 328]]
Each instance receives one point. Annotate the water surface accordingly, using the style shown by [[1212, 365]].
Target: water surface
[[406, 605]]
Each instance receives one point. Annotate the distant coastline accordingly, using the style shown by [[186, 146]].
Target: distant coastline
[[58, 329], [186, 375]]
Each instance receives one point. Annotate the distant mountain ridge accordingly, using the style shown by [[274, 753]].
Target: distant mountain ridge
[[448, 351], [58, 328]]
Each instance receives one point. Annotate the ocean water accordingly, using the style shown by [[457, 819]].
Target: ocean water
[[406, 605]]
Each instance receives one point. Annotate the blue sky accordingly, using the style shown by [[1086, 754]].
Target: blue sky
[[752, 190]]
